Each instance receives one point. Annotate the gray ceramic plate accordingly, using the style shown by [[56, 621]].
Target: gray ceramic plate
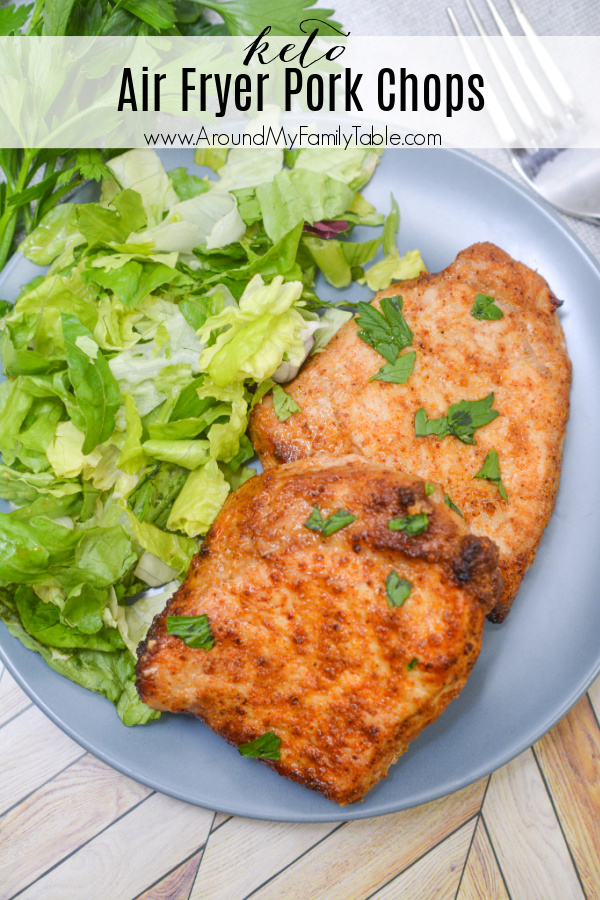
[[532, 668]]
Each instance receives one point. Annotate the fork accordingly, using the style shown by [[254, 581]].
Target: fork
[[567, 178]]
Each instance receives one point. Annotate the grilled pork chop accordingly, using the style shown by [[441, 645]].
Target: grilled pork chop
[[520, 357], [307, 643]]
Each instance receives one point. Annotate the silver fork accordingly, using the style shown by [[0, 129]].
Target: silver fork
[[567, 178]]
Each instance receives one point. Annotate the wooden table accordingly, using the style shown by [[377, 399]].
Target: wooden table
[[71, 828]]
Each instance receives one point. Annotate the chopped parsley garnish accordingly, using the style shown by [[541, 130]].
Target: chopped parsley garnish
[[449, 502], [193, 630], [411, 525], [284, 404], [264, 747], [485, 308], [412, 664], [429, 488], [388, 333], [398, 589], [462, 420], [385, 331], [491, 471], [397, 372], [333, 523]]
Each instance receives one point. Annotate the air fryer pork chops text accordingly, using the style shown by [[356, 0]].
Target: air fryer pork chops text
[[306, 643], [521, 358]]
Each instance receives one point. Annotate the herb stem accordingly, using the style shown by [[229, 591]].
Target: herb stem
[[8, 219], [36, 16]]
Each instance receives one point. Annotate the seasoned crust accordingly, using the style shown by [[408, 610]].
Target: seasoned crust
[[306, 644], [522, 358]]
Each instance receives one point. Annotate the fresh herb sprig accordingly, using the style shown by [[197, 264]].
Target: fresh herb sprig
[[388, 333], [35, 181], [485, 308], [462, 420], [264, 747], [151, 17], [331, 524], [412, 525], [195, 631], [490, 470]]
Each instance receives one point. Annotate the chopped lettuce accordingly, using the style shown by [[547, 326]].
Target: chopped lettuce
[[256, 335], [247, 169], [200, 500], [353, 166], [300, 195], [394, 268]]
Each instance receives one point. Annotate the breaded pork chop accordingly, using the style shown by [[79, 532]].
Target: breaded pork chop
[[520, 357], [307, 643]]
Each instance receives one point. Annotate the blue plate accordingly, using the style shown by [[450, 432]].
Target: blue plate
[[532, 668]]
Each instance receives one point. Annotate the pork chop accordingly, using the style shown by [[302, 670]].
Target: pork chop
[[520, 358], [341, 643]]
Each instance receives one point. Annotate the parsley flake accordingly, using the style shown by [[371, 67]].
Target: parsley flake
[[385, 331], [462, 420], [485, 308], [284, 404], [333, 523], [412, 664], [411, 525], [450, 503], [398, 589], [193, 631], [264, 747], [490, 470], [429, 488], [397, 372]]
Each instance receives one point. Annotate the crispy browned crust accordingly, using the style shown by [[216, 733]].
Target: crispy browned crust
[[522, 358], [306, 644]]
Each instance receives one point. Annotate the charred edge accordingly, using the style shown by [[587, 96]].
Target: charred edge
[[555, 303], [499, 613], [478, 558]]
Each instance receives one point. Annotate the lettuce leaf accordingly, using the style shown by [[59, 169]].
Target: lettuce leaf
[[211, 219], [247, 168], [353, 166], [174, 550], [110, 674], [262, 330], [57, 232], [141, 171], [394, 268], [300, 195], [96, 389], [200, 500]]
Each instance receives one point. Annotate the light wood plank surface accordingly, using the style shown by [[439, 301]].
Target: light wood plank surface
[[482, 878], [12, 699], [130, 855], [177, 883], [266, 847], [78, 829], [527, 836], [368, 853], [32, 750], [61, 816], [569, 757], [436, 874]]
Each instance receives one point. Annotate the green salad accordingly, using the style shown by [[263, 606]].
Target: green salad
[[170, 308]]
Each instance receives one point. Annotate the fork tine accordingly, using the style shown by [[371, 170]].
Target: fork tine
[[507, 133], [531, 82], [548, 66], [509, 85]]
